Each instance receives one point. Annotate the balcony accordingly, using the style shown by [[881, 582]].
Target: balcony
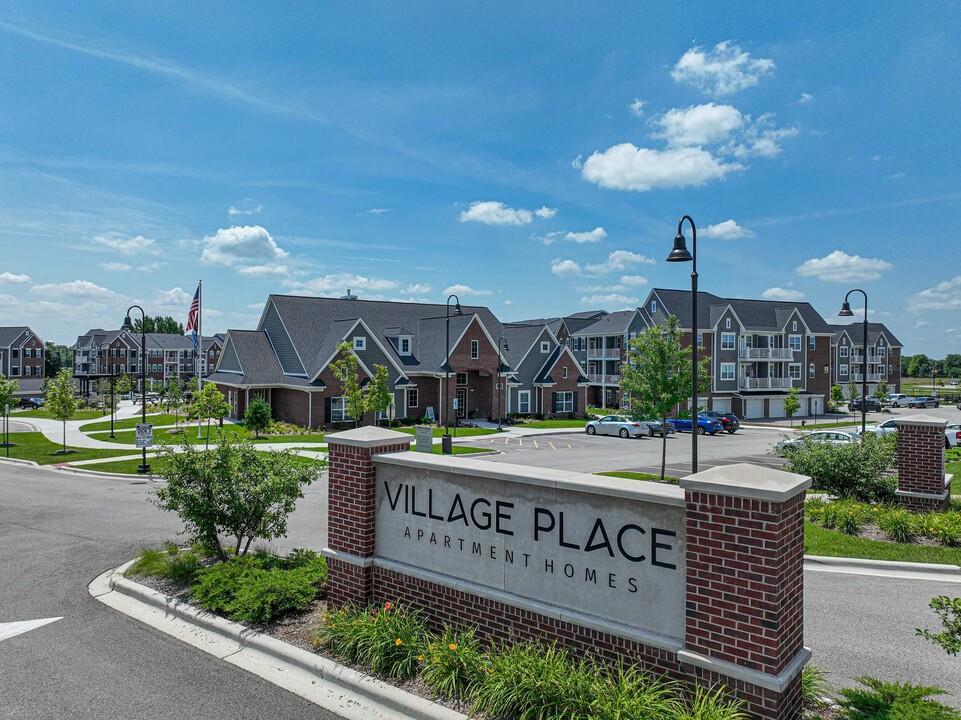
[[872, 377], [747, 353], [598, 379], [765, 384], [604, 353]]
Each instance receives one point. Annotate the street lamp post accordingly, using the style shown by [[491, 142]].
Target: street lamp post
[[113, 402], [144, 468], [681, 254], [501, 342], [446, 445], [846, 312], [934, 372]]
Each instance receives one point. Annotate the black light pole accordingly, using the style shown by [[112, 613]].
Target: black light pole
[[680, 254], [846, 312], [112, 402], [143, 468], [501, 341], [446, 446]]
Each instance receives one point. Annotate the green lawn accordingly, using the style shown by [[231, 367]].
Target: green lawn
[[459, 449], [542, 424], [455, 432], [46, 414], [34, 446], [130, 423], [129, 467], [830, 543], [829, 425], [234, 431], [647, 477]]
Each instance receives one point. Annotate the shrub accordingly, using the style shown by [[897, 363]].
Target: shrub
[[904, 701], [454, 664], [632, 693], [898, 524], [711, 704], [184, 568], [171, 562], [949, 612], [150, 562], [814, 686], [855, 470], [943, 527]]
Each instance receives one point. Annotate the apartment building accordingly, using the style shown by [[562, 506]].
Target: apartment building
[[847, 356], [22, 358]]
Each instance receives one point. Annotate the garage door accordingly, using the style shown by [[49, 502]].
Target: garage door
[[776, 407], [817, 406], [722, 405], [755, 408]]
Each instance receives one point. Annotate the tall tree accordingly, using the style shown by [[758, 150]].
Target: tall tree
[[61, 402], [919, 366], [55, 358], [379, 396], [345, 370], [657, 375], [123, 385], [158, 324], [7, 389]]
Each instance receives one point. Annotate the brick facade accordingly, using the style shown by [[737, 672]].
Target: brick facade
[[922, 483]]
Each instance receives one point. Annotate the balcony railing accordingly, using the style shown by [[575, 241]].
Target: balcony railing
[[612, 353], [765, 383], [766, 354], [872, 377], [599, 379]]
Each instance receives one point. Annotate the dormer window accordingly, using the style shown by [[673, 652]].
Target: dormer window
[[794, 326], [727, 323], [360, 343], [564, 372], [404, 346], [545, 347], [653, 306]]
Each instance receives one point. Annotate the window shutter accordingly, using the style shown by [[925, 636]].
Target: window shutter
[[554, 402], [575, 394], [327, 409]]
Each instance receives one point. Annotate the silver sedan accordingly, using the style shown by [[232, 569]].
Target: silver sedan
[[617, 425]]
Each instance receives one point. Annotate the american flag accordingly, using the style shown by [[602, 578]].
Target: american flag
[[193, 313]]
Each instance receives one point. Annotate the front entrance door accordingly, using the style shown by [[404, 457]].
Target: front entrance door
[[461, 403]]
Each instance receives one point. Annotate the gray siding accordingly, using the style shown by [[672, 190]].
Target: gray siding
[[280, 341], [228, 360], [528, 369], [373, 355]]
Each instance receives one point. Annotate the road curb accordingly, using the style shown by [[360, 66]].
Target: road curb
[[928, 568], [340, 689]]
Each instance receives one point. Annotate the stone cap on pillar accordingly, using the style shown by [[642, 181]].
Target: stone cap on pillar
[[921, 419], [748, 481], [368, 436]]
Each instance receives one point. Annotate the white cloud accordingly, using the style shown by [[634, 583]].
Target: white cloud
[[838, 266], [508, 302], [576, 163], [724, 70], [340, 283], [637, 107], [115, 267], [263, 270], [805, 98], [565, 267], [628, 167], [378, 211], [699, 125], [177, 297], [619, 260], [761, 139], [465, 290], [138, 245], [418, 289], [75, 288], [237, 244], [149, 267], [590, 236], [491, 212], [943, 296], [247, 208], [10, 278], [615, 300], [727, 230], [777, 293], [633, 280]]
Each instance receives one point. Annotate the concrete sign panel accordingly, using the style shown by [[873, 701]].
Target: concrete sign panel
[[144, 435], [425, 439], [601, 551]]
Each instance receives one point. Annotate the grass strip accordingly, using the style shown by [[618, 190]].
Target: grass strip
[[132, 422], [129, 467], [47, 415], [831, 543], [646, 477], [233, 430], [455, 432], [459, 450], [551, 424], [34, 446]]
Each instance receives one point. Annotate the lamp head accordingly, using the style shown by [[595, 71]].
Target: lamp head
[[845, 310], [680, 252], [127, 325], [506, 348], [457, 310]]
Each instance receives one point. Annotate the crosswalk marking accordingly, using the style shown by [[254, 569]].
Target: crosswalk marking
[[12, 629]]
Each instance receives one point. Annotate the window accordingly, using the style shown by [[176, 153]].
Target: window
[[564, 402], [474, 349], [405, 346], [567, 342], [700, 340], [811, 342], [413, 398], [794, 371], [461, 378], [122, 352], [14, 370], [794, 326], [844, 351], [524, 402], [881, 351], [843, 370], [654, 307], [338, 410], [727, 323], [360, 343], [727, 371], [727, 341], [794, 342], [564, 372], [811, 370], [546, 347], [890, 369]]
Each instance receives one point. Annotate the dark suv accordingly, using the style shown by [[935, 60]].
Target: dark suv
[[872, 404], [31, 403], [728, 420]]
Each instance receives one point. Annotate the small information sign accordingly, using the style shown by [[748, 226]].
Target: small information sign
[[455, 403], [144, 435], [430, 413], [425, 439]]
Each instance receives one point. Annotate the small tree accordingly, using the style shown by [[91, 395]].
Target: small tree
[[379, 396], [881, 391], [7, 389], [233, 490], [949, 612], [345, 370], [175, 398], [209, 403], [257, 417], [792, 403], [123, 385], [61, 402], [837, 397], [852, 390], [657, 375]]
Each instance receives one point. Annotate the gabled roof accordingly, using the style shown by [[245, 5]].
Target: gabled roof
[[257, 359], [521, 339], [615, 323], [856, 332], [754, 315], [11, 335]]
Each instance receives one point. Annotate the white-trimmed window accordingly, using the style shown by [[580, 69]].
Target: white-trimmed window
[[338, 410], [844, 351], [653, 306], [794, 371], [812, 341], [794, 342], [728, 341], [727, 371], [474, 349], [564, 372], [727, 323], [405, 346], [794, 326], [812, 371], [700, 340], [524, 402], [360, 343], [545, 346], [843, 370], [413, 397], [881, 351], [564, 401]]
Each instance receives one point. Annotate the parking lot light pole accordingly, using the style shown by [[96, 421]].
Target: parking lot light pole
[[501, 342], [143, 468], [846, 312], [681, 254], [446, 446], [113, 403]]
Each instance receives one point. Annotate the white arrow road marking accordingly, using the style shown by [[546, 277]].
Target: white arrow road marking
[[12, 629]]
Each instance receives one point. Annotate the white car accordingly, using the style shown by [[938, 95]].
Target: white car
[[952, 435], [898, 399], [617, 425], [833, 437], [888, 426]]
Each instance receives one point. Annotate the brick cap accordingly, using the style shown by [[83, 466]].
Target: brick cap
[[368, 436], [747, 481], [921, 419], [777, 683]]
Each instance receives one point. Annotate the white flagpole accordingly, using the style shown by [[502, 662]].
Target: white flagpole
[[200, 348]]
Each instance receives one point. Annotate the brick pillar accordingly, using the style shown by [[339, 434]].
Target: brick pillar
[[922, 484], [745, 585], [352, 494]]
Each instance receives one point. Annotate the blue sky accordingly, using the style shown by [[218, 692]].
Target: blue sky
[[533, 157]]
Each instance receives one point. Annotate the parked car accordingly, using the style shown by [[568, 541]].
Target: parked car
[[888, 426], [705, 425], [31, 403], [952, 435], [656, 428], [833, 437], [897, 400], [616, 425], [924, 402], [871, 404], [730, 421]]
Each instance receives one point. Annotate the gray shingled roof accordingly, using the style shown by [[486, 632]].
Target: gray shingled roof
[[520, 338], [610, 324], [855, 331], [759, 315], [9, 335], [258, 361]]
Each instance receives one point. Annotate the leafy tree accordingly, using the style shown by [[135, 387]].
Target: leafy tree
[[345, 370], [952, 365], [207, 404], [379, 396], [792, 403], [657, 375], [920, 366], [7, 389], [949, 612], [852, 391], [258, 417], [232, 490], [193, 383], [174, 398], [159, 324], [123, 385], [837, 396], [55, 358], [61, 402], [881, 391], [856, 470]]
